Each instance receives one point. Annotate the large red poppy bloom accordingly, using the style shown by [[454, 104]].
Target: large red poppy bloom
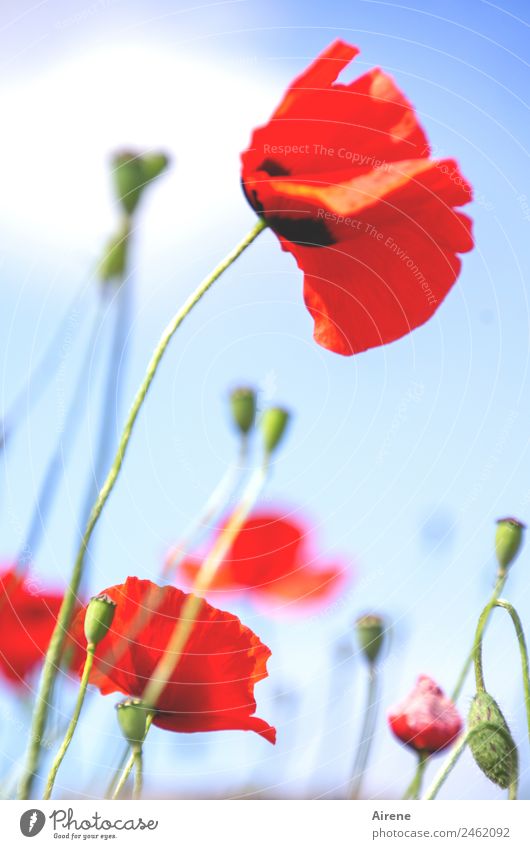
[[28, 615], [427, 720], [342, 174], [212, 686], [274, 561]]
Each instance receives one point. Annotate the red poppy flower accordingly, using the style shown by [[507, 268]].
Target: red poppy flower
[[28, 615], [342, 174], [427, 720], [272, 558], [212, 686]]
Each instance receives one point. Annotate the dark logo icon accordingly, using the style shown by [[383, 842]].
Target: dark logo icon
[[32, 822]]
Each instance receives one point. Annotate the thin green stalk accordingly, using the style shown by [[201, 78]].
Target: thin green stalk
[[523, 651], [127, 769], [218, 498], [190, 610], [367, 734], [112, 393], [70, 731], [414, 789], [498, 588], [116, 774], [214, 505], [39, 376], [455, 754], [124, 776], [52, 477], [138, 773], [51, 663]]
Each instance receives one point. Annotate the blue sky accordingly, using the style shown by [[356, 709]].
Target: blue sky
[[403, 456]]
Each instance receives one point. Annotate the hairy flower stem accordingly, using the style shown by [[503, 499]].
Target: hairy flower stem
[[51, 662], [367, 734], [73, 722], [414, 789], [497, 590]]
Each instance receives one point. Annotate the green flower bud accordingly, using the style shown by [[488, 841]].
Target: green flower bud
[[371, 635], [273, 424], [508, 540], [243, 406], [154, 164], [132, 716], [98, 618], [492, 745], [132, 172]]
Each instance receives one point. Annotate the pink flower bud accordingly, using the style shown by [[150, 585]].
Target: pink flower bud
[[426, 720]]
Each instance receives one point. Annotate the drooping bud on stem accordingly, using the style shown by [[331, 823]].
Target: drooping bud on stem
[[508, 541], [98, 618], [132, 716], [492, 745], [370, 631], [243, 406], [273, 424]]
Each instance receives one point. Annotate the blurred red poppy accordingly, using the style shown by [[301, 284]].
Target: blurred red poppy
[[427, 720], [342, 174], [273, 560], [28, 615], [212, 686]]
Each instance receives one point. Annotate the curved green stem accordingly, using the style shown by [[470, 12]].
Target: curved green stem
[[455, 754], [523, 651], [498, 588], [367, 734], [73, 722], [181, 633], [53, 654], [414, 789]]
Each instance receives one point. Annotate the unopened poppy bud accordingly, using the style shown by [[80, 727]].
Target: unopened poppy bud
[[98, 618], [273, 425], [492, 745], [426, 720], [243, 405], [371, 635], [132, 716], [132, 172], [154, 164], [508, 540]]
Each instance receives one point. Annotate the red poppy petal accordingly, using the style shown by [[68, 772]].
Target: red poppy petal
[[321, 126], [374, 289], [215, 677], [211, 722]]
